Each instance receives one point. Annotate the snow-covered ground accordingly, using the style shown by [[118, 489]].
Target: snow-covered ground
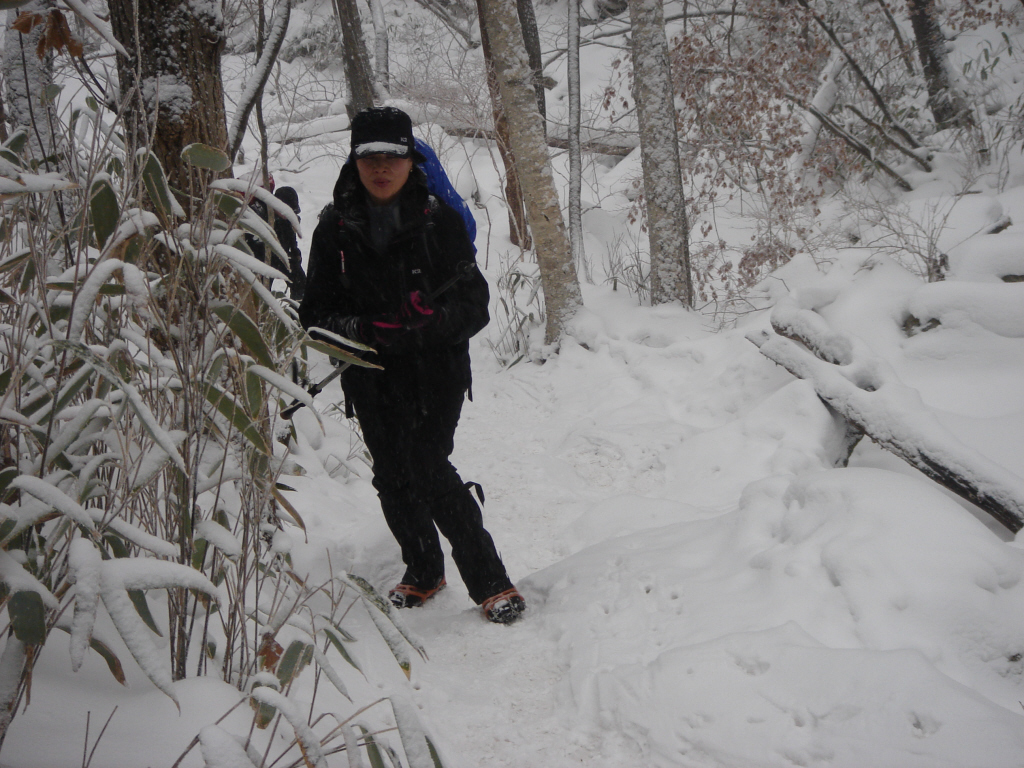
[[704, 587]]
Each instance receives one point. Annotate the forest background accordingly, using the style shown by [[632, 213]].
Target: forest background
[[690, 203]]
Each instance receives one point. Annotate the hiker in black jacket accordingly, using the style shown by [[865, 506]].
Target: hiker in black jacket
[[377, 254]]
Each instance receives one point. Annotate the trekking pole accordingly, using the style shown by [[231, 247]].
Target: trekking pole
[[461, 270]]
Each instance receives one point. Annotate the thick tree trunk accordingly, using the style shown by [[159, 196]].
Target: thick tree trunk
[[173, 81], [663, 186], [558, 274], [947, 106], [519, 232], [357, 60]]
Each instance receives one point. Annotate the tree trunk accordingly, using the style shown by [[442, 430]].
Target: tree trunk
[[575, 155], [172, 83], [357, 60], [267, 51], [947, 106], [663, 186], [558, 274], [381, 55], [531, 38], [519, 232]]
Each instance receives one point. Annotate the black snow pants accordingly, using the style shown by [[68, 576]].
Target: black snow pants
[[421, 493]]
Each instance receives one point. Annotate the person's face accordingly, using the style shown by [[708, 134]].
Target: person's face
[[383, 176]]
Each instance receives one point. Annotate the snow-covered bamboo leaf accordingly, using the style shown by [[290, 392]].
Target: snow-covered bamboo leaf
[[135, 401], [109, 657], [307, 739], [221, 750], [293, 661], [329, 670], [355, 759], [372, 750], [394, 640], [418, 749], [264, 713], [278, 206], [16, 141], [136, 535], [227, 204], [205, 156], [275, 379], [7, 474], [227, 406], [293, 513], [238, 257], [109, 289], [247, 331], [55, 497], [219, 535], [28, 617], [159, 190], [15, 261], [104, 209], [84, 564], [389, 625], [136, 637], [337, 643], [138, 598]]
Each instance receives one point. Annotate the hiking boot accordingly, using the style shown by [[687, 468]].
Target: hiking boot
[[504, 607], [408, 596]]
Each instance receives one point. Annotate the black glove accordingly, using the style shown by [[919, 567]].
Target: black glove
[[417, 311]]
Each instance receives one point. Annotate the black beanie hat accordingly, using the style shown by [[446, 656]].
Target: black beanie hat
[[383, 131]]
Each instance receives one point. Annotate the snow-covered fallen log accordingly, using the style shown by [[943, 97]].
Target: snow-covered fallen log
[[865, 391]]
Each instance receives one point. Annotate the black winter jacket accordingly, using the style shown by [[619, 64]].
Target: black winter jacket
[[348, 277]]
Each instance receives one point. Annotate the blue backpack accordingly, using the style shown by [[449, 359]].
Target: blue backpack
[[440, 185]]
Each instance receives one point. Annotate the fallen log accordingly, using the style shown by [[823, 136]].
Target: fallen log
[[865, 391]]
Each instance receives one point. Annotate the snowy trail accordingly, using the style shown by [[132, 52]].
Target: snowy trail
[[549, 445]]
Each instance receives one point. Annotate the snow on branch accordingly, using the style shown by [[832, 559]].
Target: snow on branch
[[254, 88], [864, 389]]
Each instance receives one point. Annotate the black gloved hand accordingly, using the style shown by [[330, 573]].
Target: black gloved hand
[[416, 311]]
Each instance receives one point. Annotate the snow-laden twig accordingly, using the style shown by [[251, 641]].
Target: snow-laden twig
[[101, 29]]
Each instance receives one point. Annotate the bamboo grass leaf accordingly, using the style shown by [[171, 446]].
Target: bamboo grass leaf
[[236, 414], [308, 741], [247, 331], [205, 156], [105, 211], [28, 617], [158, 189], [135, 401], [287, 506], [294, 660]]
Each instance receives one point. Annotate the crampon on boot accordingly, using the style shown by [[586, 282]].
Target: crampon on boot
[[407, 596], [504, 607]]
